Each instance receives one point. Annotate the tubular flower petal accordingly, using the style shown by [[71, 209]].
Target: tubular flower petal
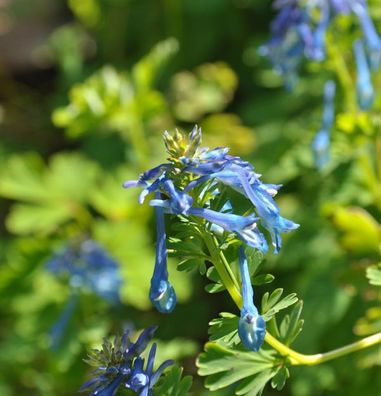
[[162, 294], [321, 142], [364, 87], [251, 326]]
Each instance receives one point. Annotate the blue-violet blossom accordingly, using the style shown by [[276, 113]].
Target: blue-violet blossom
[[120, 364], [251, 326], [88, 267], [299, 30], [173, 183]]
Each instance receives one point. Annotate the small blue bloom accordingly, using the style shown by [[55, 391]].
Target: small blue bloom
[[321, 142], [371, 37], [162, 294], [364, 87], [293, 37], [320, 148], [89, 267], [120, 364], [251, 326]]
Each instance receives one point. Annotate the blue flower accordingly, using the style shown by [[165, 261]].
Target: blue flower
[[174, 183], [251, 326], [240, 175], [293, 37], [162, 294], [297, 32], [321, 142], [371, 37], [120, 364], [364, 87], [88, 267]]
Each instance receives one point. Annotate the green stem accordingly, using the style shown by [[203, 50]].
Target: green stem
[[223, 269], [343, 74], [219, 260]]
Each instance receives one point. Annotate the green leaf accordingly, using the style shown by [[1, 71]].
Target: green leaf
[[225, 367], [254, 386], [217, 285], [291, 324], [145, 71], [254, 260], [224, 329], [49, 196], [279, 380], [192, 264], [373, 273], [360, 232], [271, 303], [26, 219], [206, 90], [262, 279], [172, 383]]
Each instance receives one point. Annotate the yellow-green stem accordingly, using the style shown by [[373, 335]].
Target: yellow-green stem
[[295, 358], [343, 74]]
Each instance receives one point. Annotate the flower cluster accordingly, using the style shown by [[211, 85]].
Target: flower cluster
[[120, 364], [88, 267], [190, 166], [321, 143], [299, 30]]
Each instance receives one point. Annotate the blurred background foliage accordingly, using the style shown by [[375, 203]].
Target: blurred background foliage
[[87, 88]]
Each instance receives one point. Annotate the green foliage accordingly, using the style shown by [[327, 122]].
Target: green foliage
[[360, 232], [173, 384], [225, 367], [272, 303], [113, 101], [374, 275], [206, 90], [49, 197]]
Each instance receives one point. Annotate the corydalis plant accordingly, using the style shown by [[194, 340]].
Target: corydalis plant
[[120, 365], [299, 31], [189, 186]]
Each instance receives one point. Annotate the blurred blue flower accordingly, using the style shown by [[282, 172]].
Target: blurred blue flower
[[321, 142], [299, 29], [251, 326], [88, 267], [364, 87], [120, 364]]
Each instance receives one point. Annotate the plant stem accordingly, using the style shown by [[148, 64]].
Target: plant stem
[[223, 269], [343, 74], [296, 358]]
